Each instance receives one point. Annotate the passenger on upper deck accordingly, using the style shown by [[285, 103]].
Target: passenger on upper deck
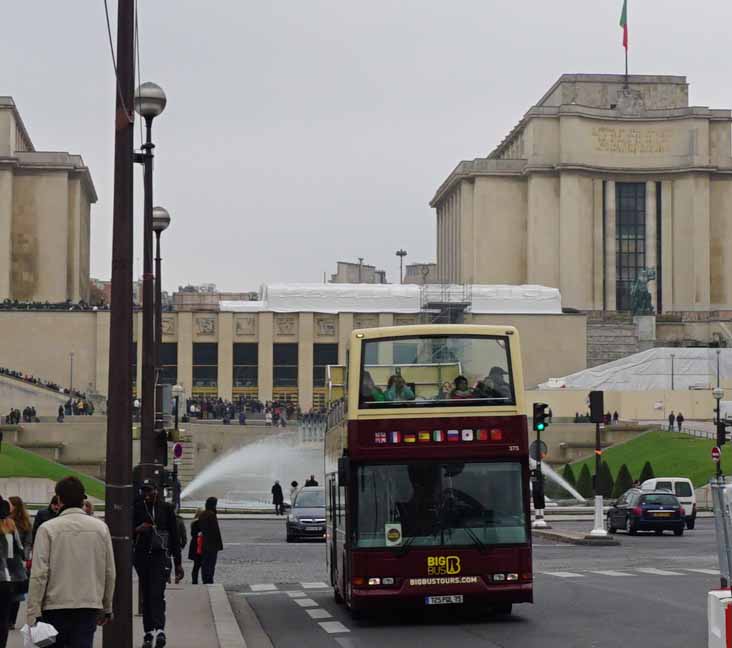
[[370, 392], [494, 385], [462, 390], [398, 390], [445, 390]]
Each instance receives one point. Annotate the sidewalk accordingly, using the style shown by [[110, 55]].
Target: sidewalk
[[198, 616]]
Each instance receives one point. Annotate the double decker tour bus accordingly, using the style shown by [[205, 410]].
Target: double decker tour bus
[[427, 470]]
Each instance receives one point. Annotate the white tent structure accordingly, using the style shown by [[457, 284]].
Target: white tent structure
[[660, 368]]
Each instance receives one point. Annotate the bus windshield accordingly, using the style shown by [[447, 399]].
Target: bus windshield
[[436, 503], [436, 371]]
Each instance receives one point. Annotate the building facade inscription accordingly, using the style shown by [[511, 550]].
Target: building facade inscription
[[206, 325], [325, 326], [246, 325], [168, 326], [285, 324], [609, 139]]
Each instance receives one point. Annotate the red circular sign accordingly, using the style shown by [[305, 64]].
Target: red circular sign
[[716, 453]]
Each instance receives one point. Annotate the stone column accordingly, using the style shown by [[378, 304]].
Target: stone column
[[702, 228], [345, 327], [610, 246], [6, 231], [226, 355], [74, 241], [667, 245], [542, 231], [651, 238], [305, 360], [265, 322], [598, 246], [185, 352]]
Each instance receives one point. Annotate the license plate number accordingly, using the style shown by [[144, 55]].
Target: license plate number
[[443, 600], [312, 528], [663, 514]]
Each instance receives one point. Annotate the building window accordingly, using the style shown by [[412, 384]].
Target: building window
[[168, 363], [246, 365], [323, 355], [205, 365], [630, 239], [284, 358]]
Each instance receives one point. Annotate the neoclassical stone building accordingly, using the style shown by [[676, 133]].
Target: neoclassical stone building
[[597, 182], [45, 206]]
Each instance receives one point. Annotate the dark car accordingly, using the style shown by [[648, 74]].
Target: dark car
[[638, 510], [307, 515]]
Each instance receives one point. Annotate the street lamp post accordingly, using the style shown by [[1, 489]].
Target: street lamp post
[[161, 220], [71, 373], [150, 102], [672, 371], [401, 254]]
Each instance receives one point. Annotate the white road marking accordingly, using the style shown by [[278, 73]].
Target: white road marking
[[711, 572], [332, 627], [563, 574], [314, 585], [611, 572], [233, 544], [657, 572], [265, 587], [295, 594], [305, 602], [319, 613]]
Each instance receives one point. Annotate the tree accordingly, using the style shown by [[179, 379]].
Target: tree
[[605, 480], [647, 472], [568, 475], [584, 483], [623, 481]]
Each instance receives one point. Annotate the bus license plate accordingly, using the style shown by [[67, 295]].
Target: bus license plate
[[443, 600], [663, 514]]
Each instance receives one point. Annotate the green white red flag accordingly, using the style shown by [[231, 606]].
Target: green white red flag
[[624, 23]]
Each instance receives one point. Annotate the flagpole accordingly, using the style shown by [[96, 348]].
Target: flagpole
[[626, 68]]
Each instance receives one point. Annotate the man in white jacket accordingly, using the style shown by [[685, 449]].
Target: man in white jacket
[[73, 575]]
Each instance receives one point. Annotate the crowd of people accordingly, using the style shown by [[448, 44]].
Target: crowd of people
[[608, 418], [68, 305], [40, 382], [62, 564]]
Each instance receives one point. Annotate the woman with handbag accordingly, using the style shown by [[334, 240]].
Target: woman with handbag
[[13, 576], [195, 547], [19, 515], [208, 527]]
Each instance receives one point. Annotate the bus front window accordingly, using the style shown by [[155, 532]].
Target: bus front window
[[441, 504], [436, 371]]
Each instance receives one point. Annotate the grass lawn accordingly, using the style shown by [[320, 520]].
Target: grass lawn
[[16, 462], [671, 454]]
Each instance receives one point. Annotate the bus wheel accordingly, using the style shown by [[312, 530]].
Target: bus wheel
[[337, 597], [503, 608]]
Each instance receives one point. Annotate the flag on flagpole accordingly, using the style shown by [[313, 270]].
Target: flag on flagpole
[[624, 23]]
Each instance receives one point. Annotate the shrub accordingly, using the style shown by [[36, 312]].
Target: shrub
[[647, 472], [568, 475], [623, 481], [584, 483], [605, 481]]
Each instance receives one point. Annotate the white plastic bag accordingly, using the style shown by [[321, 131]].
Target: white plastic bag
[[38, 636]]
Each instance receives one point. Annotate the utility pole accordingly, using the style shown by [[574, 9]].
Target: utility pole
[[119, 492], [71, 373], [401, 254], [360, 269]]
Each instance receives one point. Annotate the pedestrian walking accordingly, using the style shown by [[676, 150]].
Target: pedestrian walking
[[46, 514], [73, 576], [680, 420], [195, 548], [155, 538], [671, 420], [293, 490], [20, 517], [277, 498], [13, 576], [208, 527]]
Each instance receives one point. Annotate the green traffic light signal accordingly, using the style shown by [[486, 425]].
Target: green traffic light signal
[[540, 416], [540, 427]]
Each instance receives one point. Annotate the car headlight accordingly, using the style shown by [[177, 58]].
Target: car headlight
[[292, 518]]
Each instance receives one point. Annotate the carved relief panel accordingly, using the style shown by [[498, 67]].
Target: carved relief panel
[[245, 325], [285, 324], [169, 326], [365, 320], [205, 325], [326, 326]]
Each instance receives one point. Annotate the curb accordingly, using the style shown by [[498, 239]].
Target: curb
[[227, 628], [577, 539]]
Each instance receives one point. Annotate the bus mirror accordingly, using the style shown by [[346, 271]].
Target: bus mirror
[[344, 470]]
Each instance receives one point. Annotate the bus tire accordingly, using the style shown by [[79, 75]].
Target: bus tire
[[337, 597], [503, 608]]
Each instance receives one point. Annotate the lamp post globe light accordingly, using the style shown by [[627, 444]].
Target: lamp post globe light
[[160, 222], [150, 101]]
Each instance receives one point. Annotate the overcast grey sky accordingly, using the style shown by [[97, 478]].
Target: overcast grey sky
[[301, 132]]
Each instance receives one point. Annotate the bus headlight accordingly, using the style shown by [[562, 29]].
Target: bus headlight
[[498, 578], [374, 581], [511, 577]]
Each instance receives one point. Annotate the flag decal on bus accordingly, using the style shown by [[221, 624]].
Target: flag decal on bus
[[380, 437], [395, 437], [468, 435], [482, 435], [453, 435], [438, 435], [424, 436], [410, 437]]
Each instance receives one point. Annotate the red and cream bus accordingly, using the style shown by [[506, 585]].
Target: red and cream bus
[[427, 470]]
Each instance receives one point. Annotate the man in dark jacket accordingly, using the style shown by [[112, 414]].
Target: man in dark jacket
[[46, 514], [312, 481], [208, 527], [277, 498], [155, 538]]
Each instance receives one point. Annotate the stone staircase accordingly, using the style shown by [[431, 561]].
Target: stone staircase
[[610, 336]]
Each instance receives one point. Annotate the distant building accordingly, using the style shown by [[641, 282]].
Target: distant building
[[356, 273], [421, 273], [45, 211]]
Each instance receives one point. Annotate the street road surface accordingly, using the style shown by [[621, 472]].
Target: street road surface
[[649, 592]]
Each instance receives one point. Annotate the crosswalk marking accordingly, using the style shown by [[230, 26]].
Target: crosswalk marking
[[332, 627], [264, 587], [564, 574], [305, 602], [711, 572], [319, 613], [657, 572], [295, 594], [316, 585], [611, 572]]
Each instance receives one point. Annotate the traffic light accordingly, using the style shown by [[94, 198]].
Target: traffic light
[[597, 406], [721, 433], [161, 447], [541, 415]]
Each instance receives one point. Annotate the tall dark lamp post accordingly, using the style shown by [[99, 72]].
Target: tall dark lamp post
[[149, 103], [160, 222], [401, 254]]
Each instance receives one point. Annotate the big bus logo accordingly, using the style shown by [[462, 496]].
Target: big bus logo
[[443, 565]]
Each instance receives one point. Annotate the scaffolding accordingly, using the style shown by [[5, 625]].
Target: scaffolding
[[445, 303]]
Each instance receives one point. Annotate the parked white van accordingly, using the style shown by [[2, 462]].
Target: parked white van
[[682, 488]]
